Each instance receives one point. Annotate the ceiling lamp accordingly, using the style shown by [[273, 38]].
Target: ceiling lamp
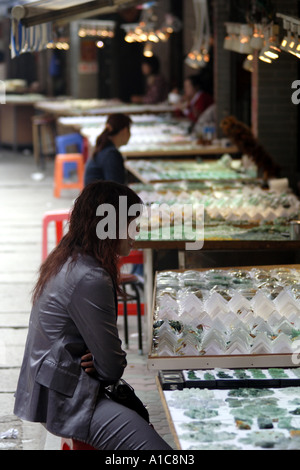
[[239, 37], [257, 40], [96, 29], [198, 57], [231, 42], [290, 42], [148, 52], [248, 63], [244, 39], [147, 29], [271, 49], [293, 44]]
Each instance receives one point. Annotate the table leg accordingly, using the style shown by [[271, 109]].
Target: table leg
[[148, 292]]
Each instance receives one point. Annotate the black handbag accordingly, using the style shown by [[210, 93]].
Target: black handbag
[[123, 393]]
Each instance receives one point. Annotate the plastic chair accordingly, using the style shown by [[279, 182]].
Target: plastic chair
[[135, 257], [74, 444], [59, 182], [63, 142], [58, 217]]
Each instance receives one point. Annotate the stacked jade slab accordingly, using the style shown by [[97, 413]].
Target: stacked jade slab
[[226, 312], [223, 169], [236, 419], [231, 210]]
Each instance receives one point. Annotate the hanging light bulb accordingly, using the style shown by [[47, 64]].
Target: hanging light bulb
[[287, 38], [271, 48], [257, 40], [248, 63], [82, 32], [244, 39], [198, 56], [263, 58], [148, 50], [153, 37], [284, 43]]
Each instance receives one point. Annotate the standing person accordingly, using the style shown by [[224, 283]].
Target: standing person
[[106, 162], [156, 85], [196, 100], [75, 311]]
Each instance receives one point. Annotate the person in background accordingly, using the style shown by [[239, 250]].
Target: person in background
[[195, 100], [156, 85], [73, 318], [206, 119], [106, 162]]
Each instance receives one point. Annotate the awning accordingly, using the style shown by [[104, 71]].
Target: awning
[[45, 11], [31, 23]]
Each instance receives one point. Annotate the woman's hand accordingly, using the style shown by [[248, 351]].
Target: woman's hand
[[87, 363]]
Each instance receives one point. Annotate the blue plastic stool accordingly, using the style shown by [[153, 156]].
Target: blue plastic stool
[[62, 142]]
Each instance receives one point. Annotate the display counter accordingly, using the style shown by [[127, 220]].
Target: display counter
[[239, 317], [151, 137], [226, 343], [229, 416], [221, 170], [240, 222], [232, 210], [75, 107], [16, 120]]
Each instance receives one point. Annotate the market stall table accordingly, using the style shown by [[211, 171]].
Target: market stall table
[[16, 120], [88, 107], [226, 345], [241, 222], [238, 317], [151, 137], [233, 417], [223, 169]]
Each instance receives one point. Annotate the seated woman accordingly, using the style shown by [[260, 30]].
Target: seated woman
[[195, 100], [156, 85], [106, 162], [75, 311]]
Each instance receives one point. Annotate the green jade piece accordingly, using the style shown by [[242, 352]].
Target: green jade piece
[[277, 373], [264, 422]]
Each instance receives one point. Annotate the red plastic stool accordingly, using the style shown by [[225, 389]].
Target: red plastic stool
[[73, 444], [60, 160], [53, 216], [135, 257]]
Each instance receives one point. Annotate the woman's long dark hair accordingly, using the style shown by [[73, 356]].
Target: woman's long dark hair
[[114, 124], [82, 237]]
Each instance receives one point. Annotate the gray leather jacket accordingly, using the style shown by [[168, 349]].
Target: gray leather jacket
[[76, 312]]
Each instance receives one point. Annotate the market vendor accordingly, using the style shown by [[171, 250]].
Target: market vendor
[[195, 99], [156, 85], [106, 162]]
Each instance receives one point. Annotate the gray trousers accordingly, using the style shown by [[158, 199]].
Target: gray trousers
[[115, 427]]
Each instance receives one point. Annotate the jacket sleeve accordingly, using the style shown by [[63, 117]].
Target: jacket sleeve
[[92, 308]]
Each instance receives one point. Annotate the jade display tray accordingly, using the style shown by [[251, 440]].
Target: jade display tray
[[206, 319], [234, 419], [229, 378]]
